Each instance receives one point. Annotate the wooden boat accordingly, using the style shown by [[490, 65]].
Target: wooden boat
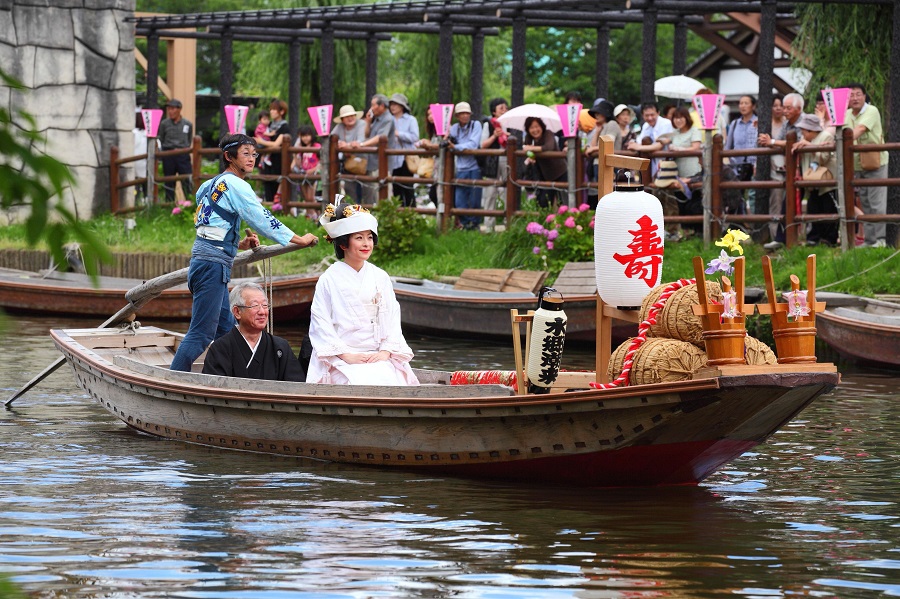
[[476, 306], [660, 434], [867, 331], [74, 294]]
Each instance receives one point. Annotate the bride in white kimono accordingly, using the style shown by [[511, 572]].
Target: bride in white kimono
[[355, 320]]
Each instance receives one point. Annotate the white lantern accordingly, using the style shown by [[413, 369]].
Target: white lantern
[[548, 336], [628, 244]]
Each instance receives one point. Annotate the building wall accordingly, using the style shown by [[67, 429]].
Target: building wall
[[76, 61]]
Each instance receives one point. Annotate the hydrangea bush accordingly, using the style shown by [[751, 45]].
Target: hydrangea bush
[[561, 236]]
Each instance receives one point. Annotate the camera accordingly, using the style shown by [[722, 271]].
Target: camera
[[452, 139]]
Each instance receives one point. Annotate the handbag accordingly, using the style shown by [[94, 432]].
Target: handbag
[[412, 163], [820, 173], [870, 161], [426, 167], [355, 165]]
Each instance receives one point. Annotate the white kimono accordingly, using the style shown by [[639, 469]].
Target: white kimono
[[357, 312]]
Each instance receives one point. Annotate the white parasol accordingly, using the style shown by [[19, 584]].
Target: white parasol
[[679, 87], [515, 118]]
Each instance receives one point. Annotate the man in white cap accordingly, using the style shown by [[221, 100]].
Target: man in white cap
[[465, 134]]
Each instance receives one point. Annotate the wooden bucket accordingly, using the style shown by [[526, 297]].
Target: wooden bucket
[[795, 344], [677, 320], [658, 361], [725, 346]]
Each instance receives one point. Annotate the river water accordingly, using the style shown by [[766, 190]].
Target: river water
[[89, 508]]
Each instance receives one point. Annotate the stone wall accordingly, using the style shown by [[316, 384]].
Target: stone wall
[[76, 59]]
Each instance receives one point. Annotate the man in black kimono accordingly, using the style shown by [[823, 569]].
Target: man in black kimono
[[248, 351]]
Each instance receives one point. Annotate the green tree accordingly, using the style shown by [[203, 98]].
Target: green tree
[[29, 177], [563, 60], [844, 43]]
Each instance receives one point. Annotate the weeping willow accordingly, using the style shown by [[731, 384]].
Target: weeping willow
[[845, 43]]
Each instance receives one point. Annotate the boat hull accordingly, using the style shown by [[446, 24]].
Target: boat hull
[[871, 342], [668, 434], [74, 295], [434, 312]]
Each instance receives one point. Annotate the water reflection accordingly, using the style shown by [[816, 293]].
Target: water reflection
[[89, 508]]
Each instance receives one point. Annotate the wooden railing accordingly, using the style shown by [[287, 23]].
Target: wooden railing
[[712, 155]]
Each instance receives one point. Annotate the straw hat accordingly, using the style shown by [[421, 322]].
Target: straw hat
[[347, 110], [668, 173]]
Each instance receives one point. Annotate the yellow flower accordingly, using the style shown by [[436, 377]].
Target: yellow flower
[[732, 240]]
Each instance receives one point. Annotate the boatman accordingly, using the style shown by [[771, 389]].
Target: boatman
[[248, 351]]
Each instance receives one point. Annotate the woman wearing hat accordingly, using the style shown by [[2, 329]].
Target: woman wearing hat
[[355, 317], [350, 131], [818, 166], [222, 203], [406, 129], [624, 118]]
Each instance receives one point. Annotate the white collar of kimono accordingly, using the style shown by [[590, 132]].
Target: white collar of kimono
[[356, 222]]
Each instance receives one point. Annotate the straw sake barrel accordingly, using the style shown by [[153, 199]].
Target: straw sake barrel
[[676, 320], [658, 361], [757, 352]]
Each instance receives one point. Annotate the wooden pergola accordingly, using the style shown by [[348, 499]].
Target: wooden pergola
[[478, 18]]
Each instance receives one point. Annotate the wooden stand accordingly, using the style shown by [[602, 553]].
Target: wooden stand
[[724, 337], [795, 340]]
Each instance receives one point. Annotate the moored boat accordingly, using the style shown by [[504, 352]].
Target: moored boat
[[657, 434], [74, 294], [867, 331]]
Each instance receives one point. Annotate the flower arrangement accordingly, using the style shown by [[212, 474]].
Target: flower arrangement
[[563, 235], [731, 242]]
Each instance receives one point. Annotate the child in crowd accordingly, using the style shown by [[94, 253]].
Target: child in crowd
[[307, 163], [262, 132]]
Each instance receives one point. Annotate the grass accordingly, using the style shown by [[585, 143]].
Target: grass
[[861, 271]]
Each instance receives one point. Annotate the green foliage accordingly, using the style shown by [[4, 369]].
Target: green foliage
[[399, 230], [845, 43], [29, 177], [8, 590], [563, 60]]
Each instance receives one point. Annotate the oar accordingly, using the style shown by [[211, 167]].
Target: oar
[[140, 295]]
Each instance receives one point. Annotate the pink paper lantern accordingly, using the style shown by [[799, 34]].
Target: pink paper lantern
[[568, 116], [441, 113], [321, 117], [236, 115], [152, 118], [708, 106], [836, 101]]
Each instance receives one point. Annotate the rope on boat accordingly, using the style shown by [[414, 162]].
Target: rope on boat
[[643, 328]]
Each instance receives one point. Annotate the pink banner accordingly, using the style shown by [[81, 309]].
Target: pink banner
[[152, 118], [836, 101], [568, 116], [321, 117], [236, 115], [708, 106], [441, 113]]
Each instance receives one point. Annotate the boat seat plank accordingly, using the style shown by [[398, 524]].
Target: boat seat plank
[[576, 278], [293, 389], [500, 279], [128, 340]]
